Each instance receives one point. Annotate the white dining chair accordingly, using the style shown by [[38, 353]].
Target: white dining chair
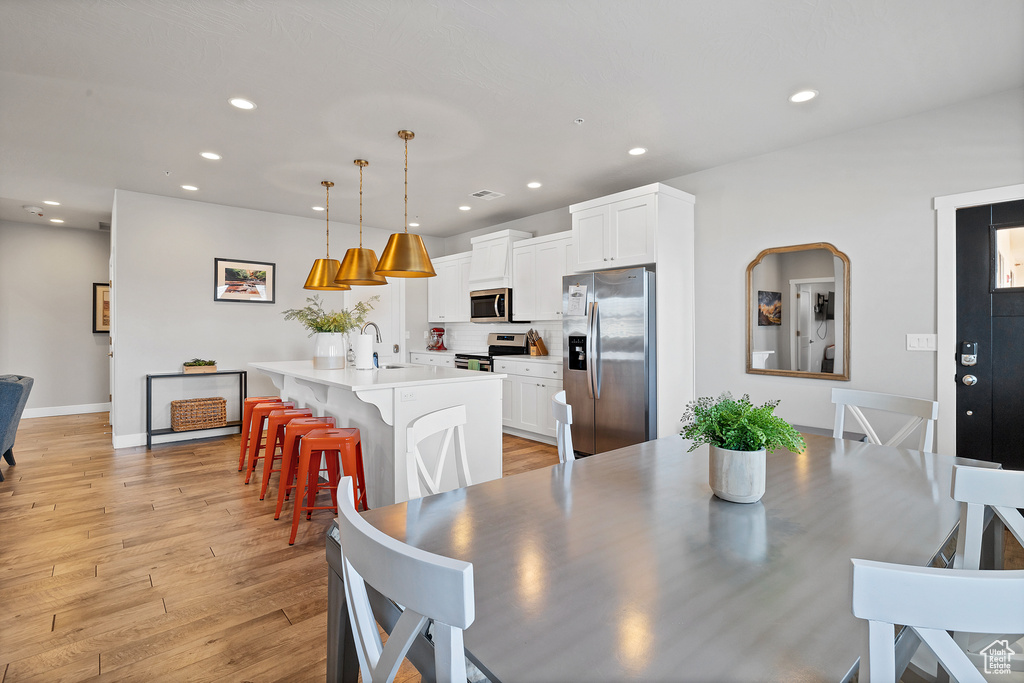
[[427, 586], [451, 421], [562, 412], [931, 601], [922, 413], [977, 489]]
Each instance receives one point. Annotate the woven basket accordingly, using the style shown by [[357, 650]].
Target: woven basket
[[198, 413]]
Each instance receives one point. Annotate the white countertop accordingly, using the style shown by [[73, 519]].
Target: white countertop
[[360, 380]]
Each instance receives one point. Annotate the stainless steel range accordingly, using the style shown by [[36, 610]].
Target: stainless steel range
[[498, 344]]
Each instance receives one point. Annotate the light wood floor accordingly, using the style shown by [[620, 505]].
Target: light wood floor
[[159, 565]]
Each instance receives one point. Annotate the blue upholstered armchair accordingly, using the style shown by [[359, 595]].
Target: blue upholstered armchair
[[14, 391]]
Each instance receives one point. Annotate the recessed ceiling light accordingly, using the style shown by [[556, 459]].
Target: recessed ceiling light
[[803, 96], [51, 203], [534, 185], [212, 156], [190, 188], [637, 151], [56, 220], [465, 208], [318, 208], [242, 103], [414, 225]]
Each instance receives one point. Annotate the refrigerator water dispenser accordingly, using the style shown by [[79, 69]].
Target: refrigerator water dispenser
[[577, 352]]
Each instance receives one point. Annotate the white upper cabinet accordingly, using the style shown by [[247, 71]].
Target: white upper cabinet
[[621, 230], [537, 268], [491, 266], [448, 293]]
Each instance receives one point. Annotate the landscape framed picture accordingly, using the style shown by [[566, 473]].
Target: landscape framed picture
[[248, 281], [101, 307]]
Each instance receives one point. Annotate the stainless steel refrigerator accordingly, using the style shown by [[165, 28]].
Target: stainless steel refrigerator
[[608, 358]]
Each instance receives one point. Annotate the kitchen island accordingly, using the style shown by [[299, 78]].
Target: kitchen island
[[382, 402]]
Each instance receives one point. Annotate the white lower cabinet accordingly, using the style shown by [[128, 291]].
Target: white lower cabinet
[[526, 395]]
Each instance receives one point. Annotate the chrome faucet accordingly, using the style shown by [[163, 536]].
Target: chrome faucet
[[363, 331]]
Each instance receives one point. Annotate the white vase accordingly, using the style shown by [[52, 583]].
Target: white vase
[[329, 350], [737, 476]]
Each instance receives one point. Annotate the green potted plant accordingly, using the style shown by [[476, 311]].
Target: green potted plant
[[198, 365], [739, 435], [330, 328]]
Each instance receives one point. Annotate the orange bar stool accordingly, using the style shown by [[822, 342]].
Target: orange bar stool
[[344, 442], [276, 422], [247, 407], [260, 411], [293, 432]]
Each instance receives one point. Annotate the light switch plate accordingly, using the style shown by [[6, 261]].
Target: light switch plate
[[921, 342]]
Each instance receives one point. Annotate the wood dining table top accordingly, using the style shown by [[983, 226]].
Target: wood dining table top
[[624, 565]]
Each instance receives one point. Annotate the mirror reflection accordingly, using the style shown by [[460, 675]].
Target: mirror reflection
[[798, 312]]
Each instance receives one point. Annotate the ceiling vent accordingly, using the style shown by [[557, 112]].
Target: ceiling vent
[[487, 194], [104, 226]]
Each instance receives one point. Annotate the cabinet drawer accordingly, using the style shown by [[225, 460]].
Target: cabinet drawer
[[509, 367], [544, 370], [432, 359]]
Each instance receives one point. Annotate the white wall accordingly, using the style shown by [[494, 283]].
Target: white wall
[[869, 192], [46, 276], [164, 311], [540, 224]]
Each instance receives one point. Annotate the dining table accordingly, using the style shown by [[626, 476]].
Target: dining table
[[624, 566]]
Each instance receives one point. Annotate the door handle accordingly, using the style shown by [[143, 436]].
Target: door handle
[[969, 380]]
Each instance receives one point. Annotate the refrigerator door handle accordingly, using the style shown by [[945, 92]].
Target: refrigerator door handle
[[593, 362]]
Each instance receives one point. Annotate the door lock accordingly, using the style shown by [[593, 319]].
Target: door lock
[[968, 354], [969, 380]]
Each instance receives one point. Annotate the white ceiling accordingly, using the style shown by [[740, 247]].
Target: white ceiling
[[104, 94]]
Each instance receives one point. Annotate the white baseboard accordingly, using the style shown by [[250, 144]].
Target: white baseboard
[[134, 440], [53, 411], [532, 436]]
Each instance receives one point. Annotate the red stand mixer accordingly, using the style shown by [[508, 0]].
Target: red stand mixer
[[436, 339]]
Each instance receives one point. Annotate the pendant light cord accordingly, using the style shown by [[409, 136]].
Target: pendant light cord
[[360, 206], [327, 211], [407, 185]]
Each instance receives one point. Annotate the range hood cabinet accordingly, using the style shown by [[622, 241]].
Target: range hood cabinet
[[490, 266]]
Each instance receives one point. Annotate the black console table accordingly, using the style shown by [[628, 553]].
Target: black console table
[[243, 378]]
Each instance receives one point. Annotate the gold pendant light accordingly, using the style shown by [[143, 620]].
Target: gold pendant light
[[405, 255], [324, 270], [358, 266]]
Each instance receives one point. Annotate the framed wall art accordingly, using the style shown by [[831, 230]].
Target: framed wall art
[[248, 281], [769, 308], [101, 307]]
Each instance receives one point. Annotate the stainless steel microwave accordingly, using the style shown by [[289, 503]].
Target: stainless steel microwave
[[491, 306]]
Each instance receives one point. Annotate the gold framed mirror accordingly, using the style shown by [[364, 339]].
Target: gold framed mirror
[[798, 312]]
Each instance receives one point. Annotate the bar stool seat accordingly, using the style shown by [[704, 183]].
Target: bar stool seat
[[276, 421], [260, 411], [349, 462], [293, 432], [247, 406]]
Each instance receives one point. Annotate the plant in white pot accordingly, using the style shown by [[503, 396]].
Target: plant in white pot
[[331, 329], [739, 435]]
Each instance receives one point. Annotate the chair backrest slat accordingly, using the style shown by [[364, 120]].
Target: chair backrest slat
[[922, 415], [452, 422]]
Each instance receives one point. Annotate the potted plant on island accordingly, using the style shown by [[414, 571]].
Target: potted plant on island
[[739, 435], [331, 329]]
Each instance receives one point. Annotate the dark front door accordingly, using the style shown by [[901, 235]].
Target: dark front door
[[990, 327]]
